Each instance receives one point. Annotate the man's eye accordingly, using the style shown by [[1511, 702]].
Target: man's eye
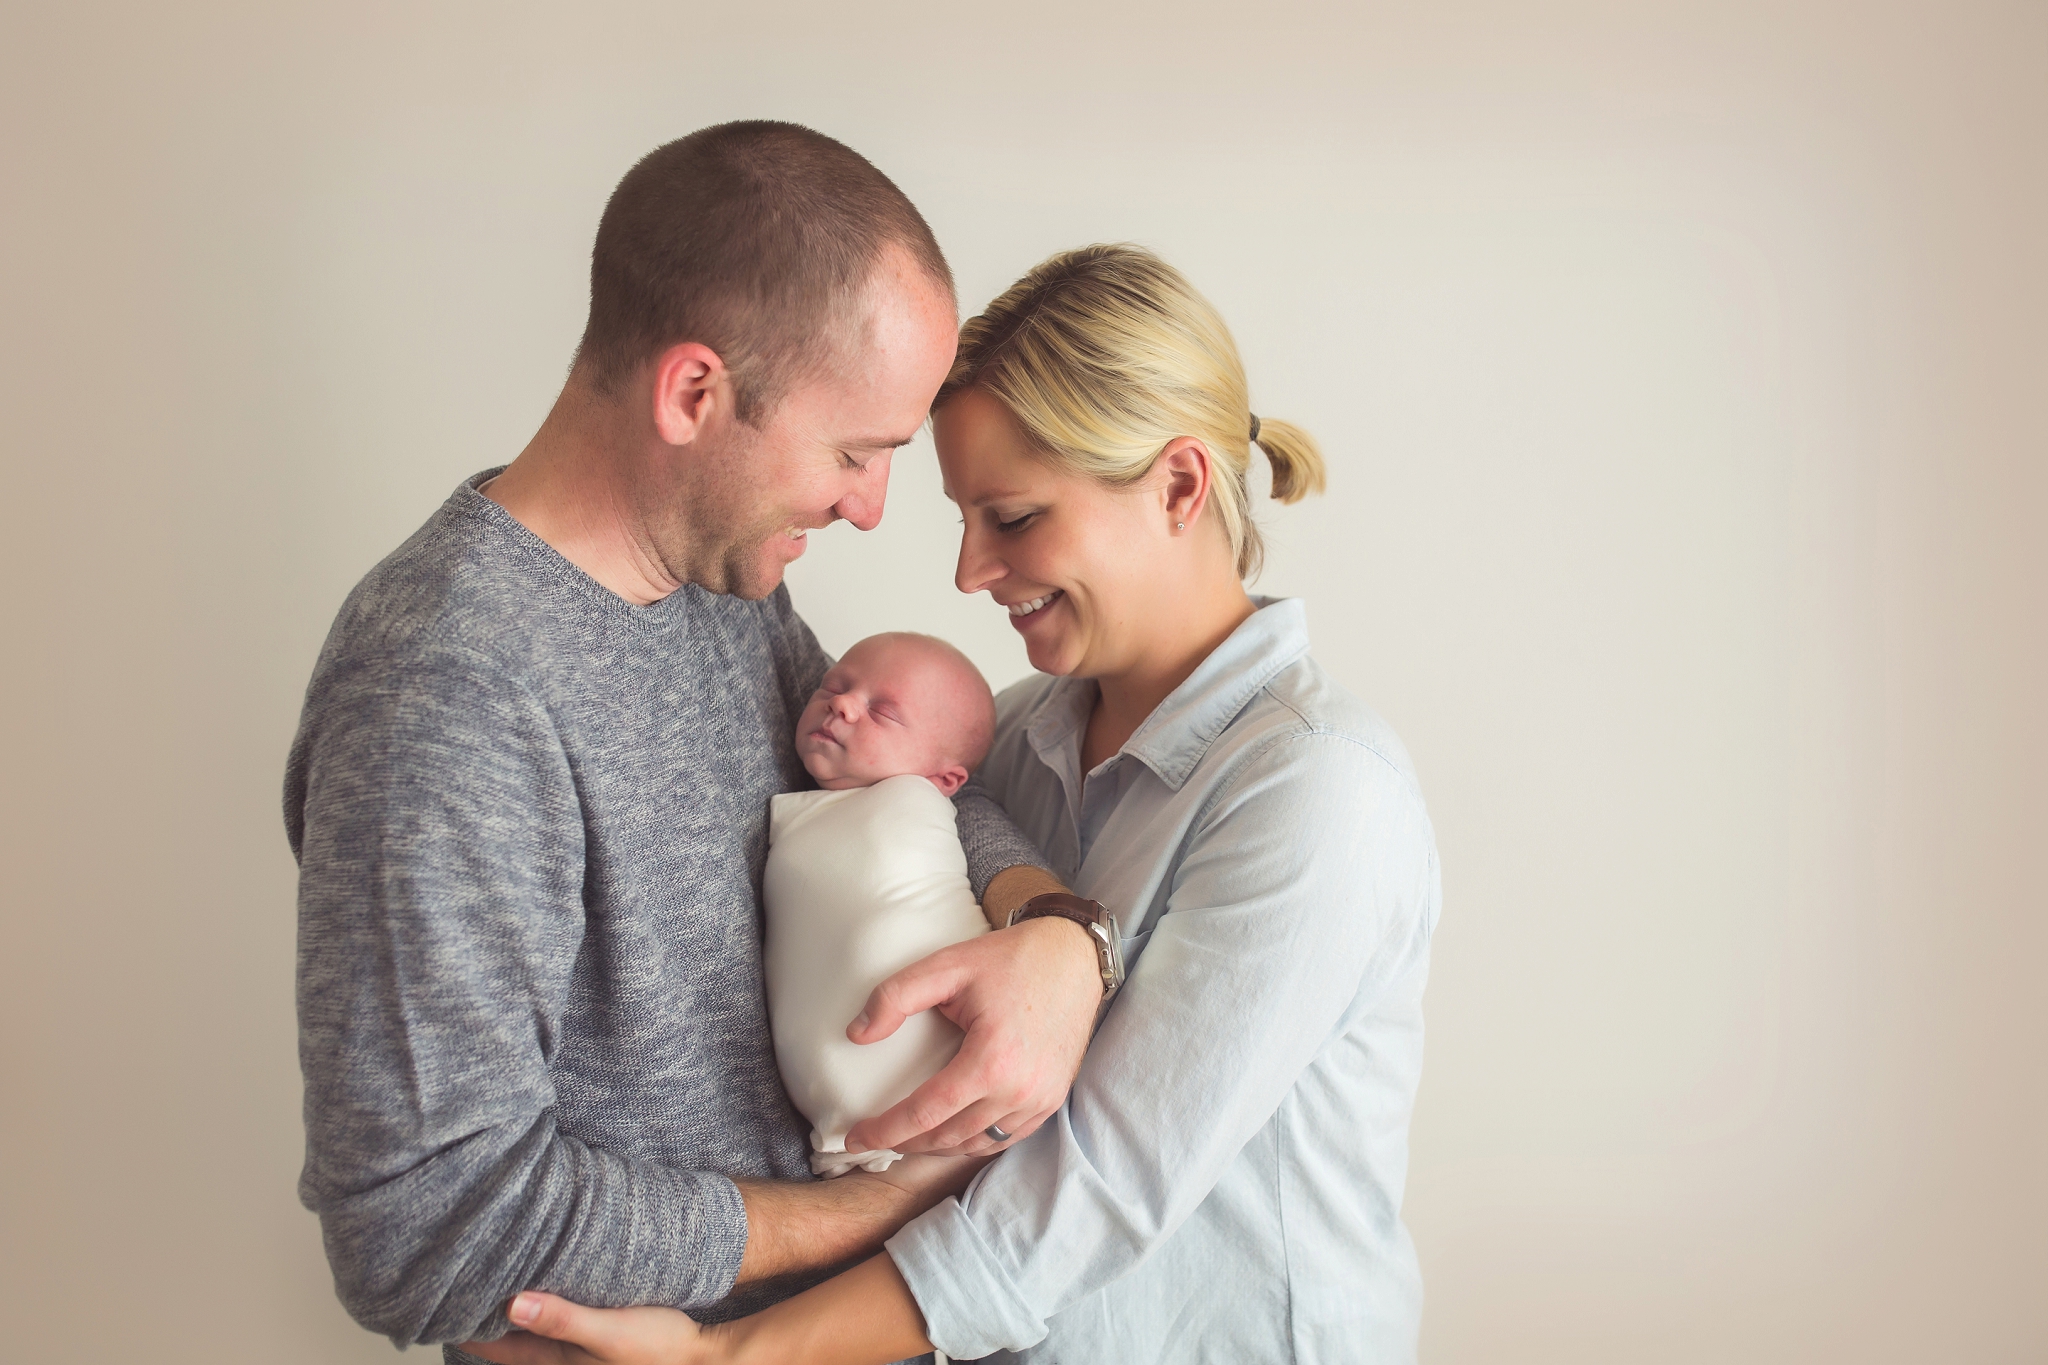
[[849, 462]]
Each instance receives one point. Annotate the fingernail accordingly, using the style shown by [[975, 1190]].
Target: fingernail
[[860, 1021], [525, 1308]]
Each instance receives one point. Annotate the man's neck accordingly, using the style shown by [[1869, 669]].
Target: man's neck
[[570, 487]]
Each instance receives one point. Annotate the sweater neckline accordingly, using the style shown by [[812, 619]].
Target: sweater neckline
[[665, 613]]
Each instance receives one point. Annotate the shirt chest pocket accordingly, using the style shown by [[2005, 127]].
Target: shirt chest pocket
[[1133, 948]]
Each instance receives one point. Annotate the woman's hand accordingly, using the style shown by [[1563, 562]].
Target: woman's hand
[[558, 1332]]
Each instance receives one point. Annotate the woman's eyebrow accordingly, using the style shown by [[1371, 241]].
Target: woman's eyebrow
[[1000, 495]]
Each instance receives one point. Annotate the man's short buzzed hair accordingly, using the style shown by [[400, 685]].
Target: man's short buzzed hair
[[754, 239]]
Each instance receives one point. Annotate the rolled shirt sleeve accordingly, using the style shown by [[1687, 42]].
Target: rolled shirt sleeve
[[1301, 903]]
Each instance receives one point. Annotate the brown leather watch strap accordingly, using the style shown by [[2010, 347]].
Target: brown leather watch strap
[[1065, 904]]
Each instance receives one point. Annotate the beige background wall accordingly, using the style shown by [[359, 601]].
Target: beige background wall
[[1681, 372]]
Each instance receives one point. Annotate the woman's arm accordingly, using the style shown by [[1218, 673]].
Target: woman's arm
[[1298, 919], [863, 1317]]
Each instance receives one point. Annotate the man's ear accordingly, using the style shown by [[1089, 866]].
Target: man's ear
[[948, 779], [690, 384], [1185, 462]]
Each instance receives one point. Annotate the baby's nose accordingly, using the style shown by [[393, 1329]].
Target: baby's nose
[[846, 706]]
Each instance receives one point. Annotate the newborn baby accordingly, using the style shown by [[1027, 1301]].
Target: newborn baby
[[866, 876]]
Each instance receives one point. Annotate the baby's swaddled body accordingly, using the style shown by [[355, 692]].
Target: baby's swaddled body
[[860, 883]]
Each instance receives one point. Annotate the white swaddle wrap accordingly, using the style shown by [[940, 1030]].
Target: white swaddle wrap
[[860, 884]]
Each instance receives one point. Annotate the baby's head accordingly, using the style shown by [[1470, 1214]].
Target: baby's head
[[896, 704]]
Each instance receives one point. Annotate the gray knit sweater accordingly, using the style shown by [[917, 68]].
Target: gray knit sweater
[[530, 820]]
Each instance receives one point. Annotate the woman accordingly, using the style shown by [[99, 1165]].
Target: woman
[[1225, 1180]]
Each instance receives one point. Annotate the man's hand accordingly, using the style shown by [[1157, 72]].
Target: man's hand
[[1027, 998]]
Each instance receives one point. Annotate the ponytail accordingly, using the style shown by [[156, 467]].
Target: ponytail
[[1296, 459]]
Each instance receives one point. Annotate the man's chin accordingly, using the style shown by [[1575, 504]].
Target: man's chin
[[756, 576], [753, 590]]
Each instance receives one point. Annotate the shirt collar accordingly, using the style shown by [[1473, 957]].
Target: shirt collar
[[1180, 729]]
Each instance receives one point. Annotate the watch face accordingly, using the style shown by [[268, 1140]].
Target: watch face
[[1113, 964]]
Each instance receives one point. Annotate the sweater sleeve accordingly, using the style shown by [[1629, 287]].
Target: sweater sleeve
[[440, 845], [991, 839]]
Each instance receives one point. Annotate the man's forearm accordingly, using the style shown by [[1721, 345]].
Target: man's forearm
[[1013, 886], [794, 1226]]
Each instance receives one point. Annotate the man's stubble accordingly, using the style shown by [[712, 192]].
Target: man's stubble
[[716, 531]]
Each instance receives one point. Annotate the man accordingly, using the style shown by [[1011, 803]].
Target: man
[[529, 794]]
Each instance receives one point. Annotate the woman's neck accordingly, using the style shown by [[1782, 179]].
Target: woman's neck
[[1127, 697]]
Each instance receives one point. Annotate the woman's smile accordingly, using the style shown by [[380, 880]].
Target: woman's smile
[[1024, 615]]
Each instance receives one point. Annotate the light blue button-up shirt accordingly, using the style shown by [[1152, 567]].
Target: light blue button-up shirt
[[1224, 1183]]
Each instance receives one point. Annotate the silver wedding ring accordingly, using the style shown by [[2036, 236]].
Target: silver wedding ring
[[998, 1134]]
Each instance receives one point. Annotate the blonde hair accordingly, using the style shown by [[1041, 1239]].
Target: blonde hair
[[1105, 355]]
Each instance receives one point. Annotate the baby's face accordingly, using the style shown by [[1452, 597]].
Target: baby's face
[[882, 712]]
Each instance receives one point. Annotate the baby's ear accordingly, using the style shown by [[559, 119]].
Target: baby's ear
[[949, 778]]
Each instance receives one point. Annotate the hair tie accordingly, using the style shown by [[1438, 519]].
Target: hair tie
[[1255, 426]]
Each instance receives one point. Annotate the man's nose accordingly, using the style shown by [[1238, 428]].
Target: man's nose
[[863, 505]]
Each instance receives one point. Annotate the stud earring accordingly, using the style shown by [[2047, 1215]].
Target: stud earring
[[1180, 526]]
